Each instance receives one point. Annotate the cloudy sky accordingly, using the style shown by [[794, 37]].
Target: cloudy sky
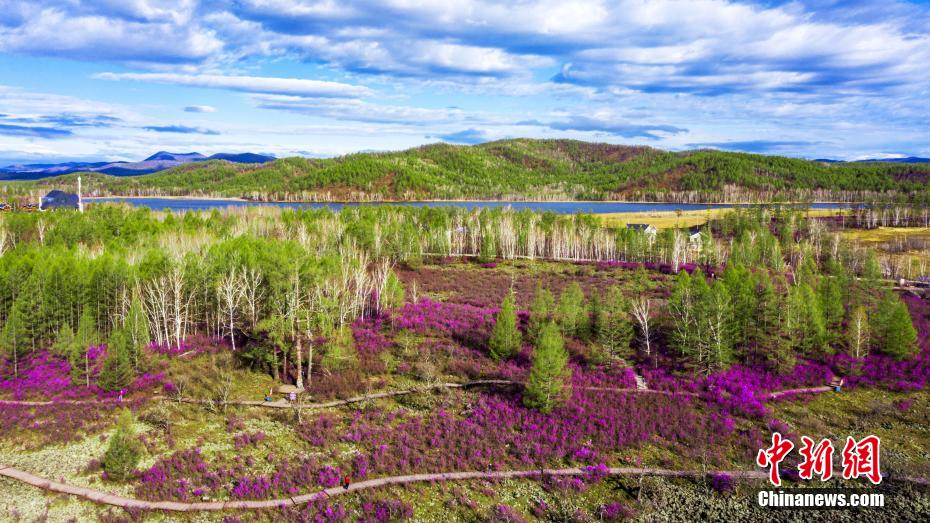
[[120, 79]]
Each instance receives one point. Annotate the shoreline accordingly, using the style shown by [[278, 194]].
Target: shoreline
[[466, 200]]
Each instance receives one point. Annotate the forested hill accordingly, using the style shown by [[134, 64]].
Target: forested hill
[[524, 169]]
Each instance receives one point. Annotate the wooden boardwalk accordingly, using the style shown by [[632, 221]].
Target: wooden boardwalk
[[283, 404], [130, 503]]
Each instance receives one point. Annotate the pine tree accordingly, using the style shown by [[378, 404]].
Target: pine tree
[[831, 304], [340, 352], [739, 283], [124, 451], [895, 333], [85, 337], [615, 331], [806, 326], [548, 382], [15, 338], [540, 311], [571, 313], [505, 338], [64, 341], [117, 370]]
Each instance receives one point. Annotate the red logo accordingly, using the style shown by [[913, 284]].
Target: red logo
[[861, 458], [774, 455], [817, 460]]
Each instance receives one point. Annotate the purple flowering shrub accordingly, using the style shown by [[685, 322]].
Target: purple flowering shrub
[[384, 511], [45, 376], [467, 324], [54, 423], [495, 431], [614, 511], [192, 345], [721, 482]]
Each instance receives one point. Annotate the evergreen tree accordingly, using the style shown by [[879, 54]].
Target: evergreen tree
[[340, 352], [394, 294], [64, 341], [117, 371], [15, 338], [571, 313], [894, 332], [595, 309], [831, 303], [768, 338], [85, 337], [615, 331], [505, 338], [806, 326], [540, 311], [124, 451], [548, 382], [742, 291]]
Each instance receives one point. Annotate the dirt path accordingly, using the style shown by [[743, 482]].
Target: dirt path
[[282, 404], [119, 501]]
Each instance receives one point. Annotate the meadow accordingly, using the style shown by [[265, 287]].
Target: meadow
[[139, 348]]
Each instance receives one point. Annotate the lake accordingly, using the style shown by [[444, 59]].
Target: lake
[[175, 204]]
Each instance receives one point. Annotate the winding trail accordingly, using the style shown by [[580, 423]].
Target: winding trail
[[283, 404], [131, 503]]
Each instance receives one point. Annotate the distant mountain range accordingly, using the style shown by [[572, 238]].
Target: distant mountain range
[[909, 159], [157, 162]]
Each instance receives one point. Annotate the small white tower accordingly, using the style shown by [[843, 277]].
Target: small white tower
[[80, 196]]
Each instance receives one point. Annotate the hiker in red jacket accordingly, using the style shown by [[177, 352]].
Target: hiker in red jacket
[[345, 481]]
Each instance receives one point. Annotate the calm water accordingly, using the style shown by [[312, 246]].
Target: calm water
[[557, 207]]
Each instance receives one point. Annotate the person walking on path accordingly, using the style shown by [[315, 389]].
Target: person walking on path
[[345, 481]]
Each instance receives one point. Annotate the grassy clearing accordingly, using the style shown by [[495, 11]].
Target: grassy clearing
[[901, 420], [886, 234], [684, 219]]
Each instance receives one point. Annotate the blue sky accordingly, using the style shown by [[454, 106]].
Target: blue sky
[[121, 79]]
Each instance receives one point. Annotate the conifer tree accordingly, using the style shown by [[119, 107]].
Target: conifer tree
[[571, 313], [340, 352], [85, 337], [831, 304], [117, 371], [124, 451], [540, 311], [15, 338], [548, 382], [64, 341], [615, 331], [894, 332], [505, 338]]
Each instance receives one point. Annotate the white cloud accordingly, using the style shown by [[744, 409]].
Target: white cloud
[[57, 32], [358, 110], [249, 84], [200, 109]]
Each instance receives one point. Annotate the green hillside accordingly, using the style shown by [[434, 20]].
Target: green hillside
[[521, 169]]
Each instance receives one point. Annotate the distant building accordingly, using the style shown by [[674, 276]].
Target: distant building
[[694, 237], [644, 228], [60, 200]]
